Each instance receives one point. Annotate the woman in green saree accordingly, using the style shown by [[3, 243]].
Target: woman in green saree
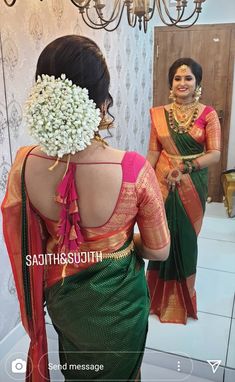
[[69, 231], [184, 141]]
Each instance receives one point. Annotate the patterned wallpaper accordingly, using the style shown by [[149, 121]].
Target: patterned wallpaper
[[25, 29]]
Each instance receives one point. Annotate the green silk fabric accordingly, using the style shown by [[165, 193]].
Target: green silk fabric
[[101, 317], [182, 259]]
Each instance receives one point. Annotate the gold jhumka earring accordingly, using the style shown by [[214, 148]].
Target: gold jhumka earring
[[197, 93], [172, 95], [106, 120], [105, 123]]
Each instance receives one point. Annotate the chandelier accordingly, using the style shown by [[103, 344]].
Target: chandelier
[[106, 14]]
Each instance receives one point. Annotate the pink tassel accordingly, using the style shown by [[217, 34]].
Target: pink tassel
[[69, 233]]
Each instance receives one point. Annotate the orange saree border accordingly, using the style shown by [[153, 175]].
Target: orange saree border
[[160, 124], [34, 323], [171, 300], [186, 189]]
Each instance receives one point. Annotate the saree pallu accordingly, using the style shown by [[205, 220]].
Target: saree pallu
[[101, 316], [23, 236], [171, 283]]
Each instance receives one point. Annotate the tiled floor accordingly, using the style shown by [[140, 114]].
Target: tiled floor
[[180, 352]]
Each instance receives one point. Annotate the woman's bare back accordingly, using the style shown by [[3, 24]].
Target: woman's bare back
[[98, 185]]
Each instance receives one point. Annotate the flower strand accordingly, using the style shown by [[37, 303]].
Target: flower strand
[[60, 116]]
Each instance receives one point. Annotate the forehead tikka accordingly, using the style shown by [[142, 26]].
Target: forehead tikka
[[183, 68]]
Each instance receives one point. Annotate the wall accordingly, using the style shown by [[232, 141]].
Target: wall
[[24, 33]]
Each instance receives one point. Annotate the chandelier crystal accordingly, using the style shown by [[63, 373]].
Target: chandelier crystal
[[106, 14]]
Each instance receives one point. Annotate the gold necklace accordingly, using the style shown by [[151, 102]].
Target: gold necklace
[[183, 113], [183, 108], [182, 123]]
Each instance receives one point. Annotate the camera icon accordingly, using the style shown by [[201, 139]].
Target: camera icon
[[18, 366]]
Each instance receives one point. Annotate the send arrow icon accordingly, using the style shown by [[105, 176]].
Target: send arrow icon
[[214, 363]]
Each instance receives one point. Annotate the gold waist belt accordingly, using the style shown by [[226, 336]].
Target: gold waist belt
[[119, 254], [96, 256], [183, 156]]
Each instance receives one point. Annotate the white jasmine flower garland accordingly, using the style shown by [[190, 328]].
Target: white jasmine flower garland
[[60, 116]]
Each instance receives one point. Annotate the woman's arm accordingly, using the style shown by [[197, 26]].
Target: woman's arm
[[209, 158], [148, 253], [213, 141], [152, 157], [175, 174], [153, 242]]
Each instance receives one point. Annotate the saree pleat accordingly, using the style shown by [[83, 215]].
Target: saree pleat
[[101, 314], [171, 283]]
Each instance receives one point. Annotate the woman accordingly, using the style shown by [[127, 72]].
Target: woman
[[184, 141], [69, 231]]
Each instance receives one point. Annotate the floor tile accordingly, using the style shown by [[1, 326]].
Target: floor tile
[[218, 228], [187, 366], [215, 291], [151, 373], [231, 350], [229, 375], [216, 254], [202, 339], [216, 210], [18, 351]]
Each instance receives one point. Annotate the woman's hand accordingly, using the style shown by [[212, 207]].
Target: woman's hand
[[173, 178], [209, 158]]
